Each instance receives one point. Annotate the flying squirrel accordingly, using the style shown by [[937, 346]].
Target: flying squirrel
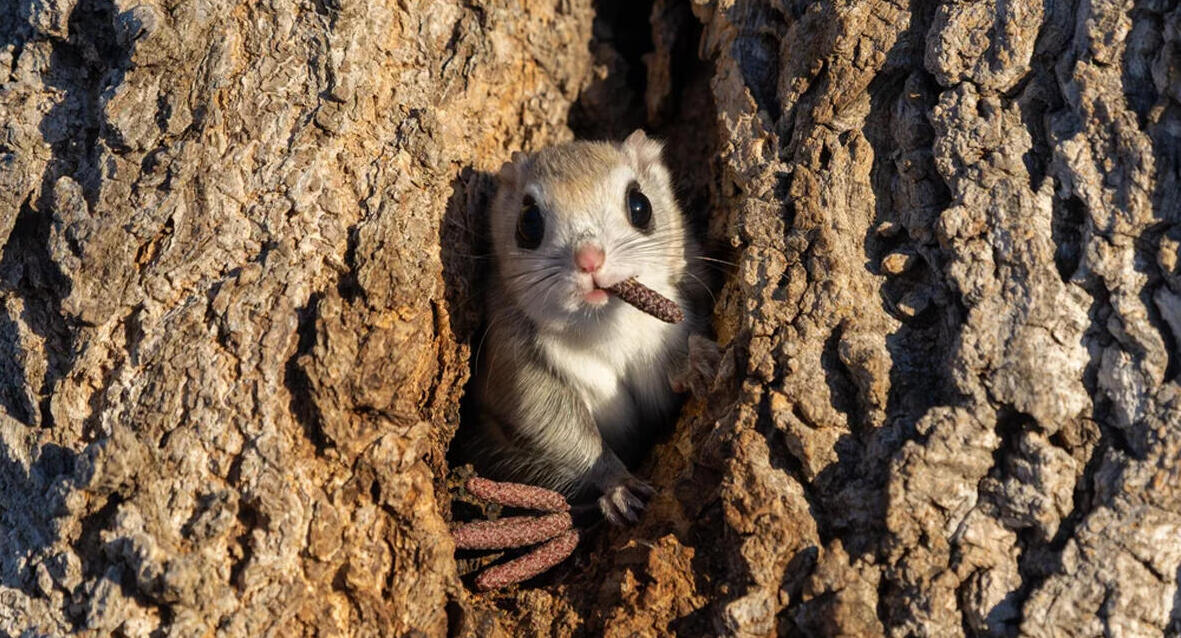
[[572, 384]]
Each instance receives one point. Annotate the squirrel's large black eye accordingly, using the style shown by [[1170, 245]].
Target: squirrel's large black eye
[[639, 209], [530, 225]]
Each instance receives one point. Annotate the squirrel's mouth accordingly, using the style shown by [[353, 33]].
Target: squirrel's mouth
[[596, 296], [594, 288]]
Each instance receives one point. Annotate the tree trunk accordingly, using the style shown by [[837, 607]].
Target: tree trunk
[[241, 279]]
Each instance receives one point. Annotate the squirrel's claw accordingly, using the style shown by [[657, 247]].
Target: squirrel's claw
[[621, 505], [700, 368]]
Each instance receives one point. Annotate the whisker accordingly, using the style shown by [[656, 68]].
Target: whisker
[[713, 299], [480, 348], [720, 261], [455, 222], [548, 290], [534, 277]]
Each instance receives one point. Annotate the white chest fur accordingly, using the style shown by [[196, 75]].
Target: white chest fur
[[620, 368]]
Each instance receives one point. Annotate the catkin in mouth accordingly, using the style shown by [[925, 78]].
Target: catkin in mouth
[[647, 300]]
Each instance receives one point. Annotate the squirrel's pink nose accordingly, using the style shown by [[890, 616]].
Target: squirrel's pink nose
[[589, 257]]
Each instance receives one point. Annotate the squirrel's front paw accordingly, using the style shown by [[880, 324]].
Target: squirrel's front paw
[[624, 501], [700, 368]]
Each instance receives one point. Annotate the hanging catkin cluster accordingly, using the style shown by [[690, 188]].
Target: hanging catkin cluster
[[519, 531]]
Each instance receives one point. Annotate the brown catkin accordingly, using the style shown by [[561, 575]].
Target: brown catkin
[[529, 565], [513, 531], [647, 300], [517, 495]]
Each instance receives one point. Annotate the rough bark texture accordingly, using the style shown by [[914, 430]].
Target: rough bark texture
[[241, 275]]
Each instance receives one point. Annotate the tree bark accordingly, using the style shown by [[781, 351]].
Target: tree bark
[[241, 276]]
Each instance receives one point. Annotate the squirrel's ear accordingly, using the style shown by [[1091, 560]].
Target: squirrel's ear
[[510, 171], [642, 149]]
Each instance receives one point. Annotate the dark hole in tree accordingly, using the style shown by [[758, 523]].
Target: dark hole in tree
[[610, 108]]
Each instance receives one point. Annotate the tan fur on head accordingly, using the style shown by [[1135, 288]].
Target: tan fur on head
[[581, 191]]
